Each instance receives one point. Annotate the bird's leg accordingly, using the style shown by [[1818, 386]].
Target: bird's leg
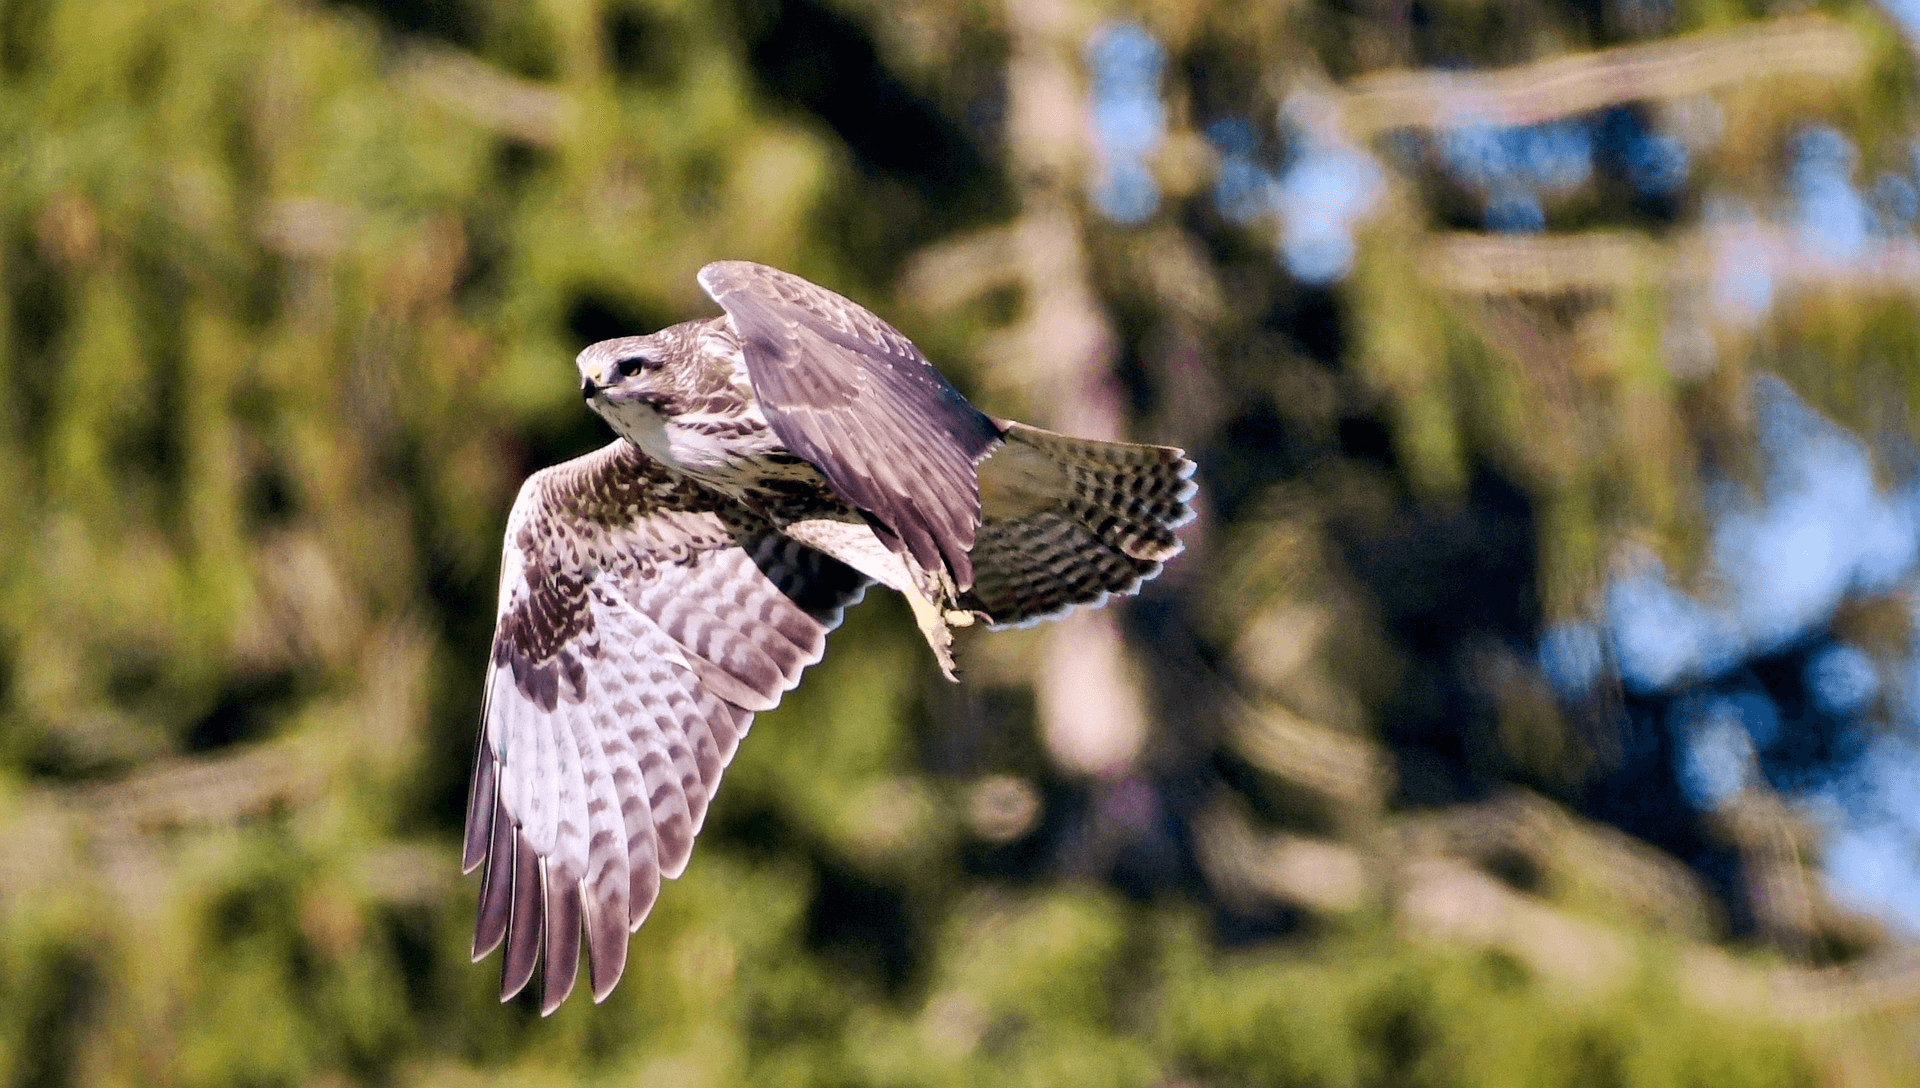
[[933, 626]]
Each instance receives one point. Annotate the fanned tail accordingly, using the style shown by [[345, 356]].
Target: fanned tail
[[1069, 521]]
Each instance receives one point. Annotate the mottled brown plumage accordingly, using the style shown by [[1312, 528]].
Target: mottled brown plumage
[[656, 593]]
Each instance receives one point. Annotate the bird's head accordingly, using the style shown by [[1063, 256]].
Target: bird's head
[[621, 375]]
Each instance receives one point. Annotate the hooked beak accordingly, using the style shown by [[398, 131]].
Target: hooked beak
[[588, 390]]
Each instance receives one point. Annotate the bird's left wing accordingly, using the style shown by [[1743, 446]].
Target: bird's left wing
[[642, 622], [849, 393]]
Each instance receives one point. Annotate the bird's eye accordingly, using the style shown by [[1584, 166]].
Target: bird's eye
[[632, 364]]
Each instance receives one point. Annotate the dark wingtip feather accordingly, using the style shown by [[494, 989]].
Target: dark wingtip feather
[[496, 888], [562, 955], [674, 831], [642, 890], [524, 928], [606, 944], [481, 808]]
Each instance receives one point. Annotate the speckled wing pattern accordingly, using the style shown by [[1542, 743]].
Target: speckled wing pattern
[[1068, 522], [643, 620], [847, 392]]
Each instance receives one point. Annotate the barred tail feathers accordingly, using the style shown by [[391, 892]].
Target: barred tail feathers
[[1069, 521]]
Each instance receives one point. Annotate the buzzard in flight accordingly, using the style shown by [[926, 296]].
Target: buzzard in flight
[[654, 594]]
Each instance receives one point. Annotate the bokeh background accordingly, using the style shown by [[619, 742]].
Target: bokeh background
[[1537, 702]]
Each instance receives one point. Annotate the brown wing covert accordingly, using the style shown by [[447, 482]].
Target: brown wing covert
[[853, 396]]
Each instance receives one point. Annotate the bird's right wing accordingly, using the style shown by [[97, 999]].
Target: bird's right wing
[[643, 620], [847, 392]]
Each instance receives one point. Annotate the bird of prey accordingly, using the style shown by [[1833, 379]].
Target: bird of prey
[[771, 464]]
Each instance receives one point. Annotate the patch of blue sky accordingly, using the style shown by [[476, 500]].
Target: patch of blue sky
[[1657, 165], [1781, 558], [1326, 190], [1515, 165], [1821, 529], [1233, 137], [1830, 215], [1319, 197], [1473, 153], [1128, 118], [1906, 13], [1743, 282], [1781, 561], [1871, 817], [1787, 568], [1514, 210], [1900, 685], [1126, 192], [1241, 190], [1573, 657], [1756, 713], [1842, 680], [1822, 471], [1129, 126], [1123, 58], [1717, 744], [1317, 255], [1873, 868], [1557, 155], [1661, 636], [1552, 155], [1329, 181], [1895, 204]]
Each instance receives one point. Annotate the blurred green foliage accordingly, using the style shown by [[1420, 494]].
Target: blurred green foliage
[[289, 294]]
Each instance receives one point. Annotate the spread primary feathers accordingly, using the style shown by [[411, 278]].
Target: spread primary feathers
[[654, 594]]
